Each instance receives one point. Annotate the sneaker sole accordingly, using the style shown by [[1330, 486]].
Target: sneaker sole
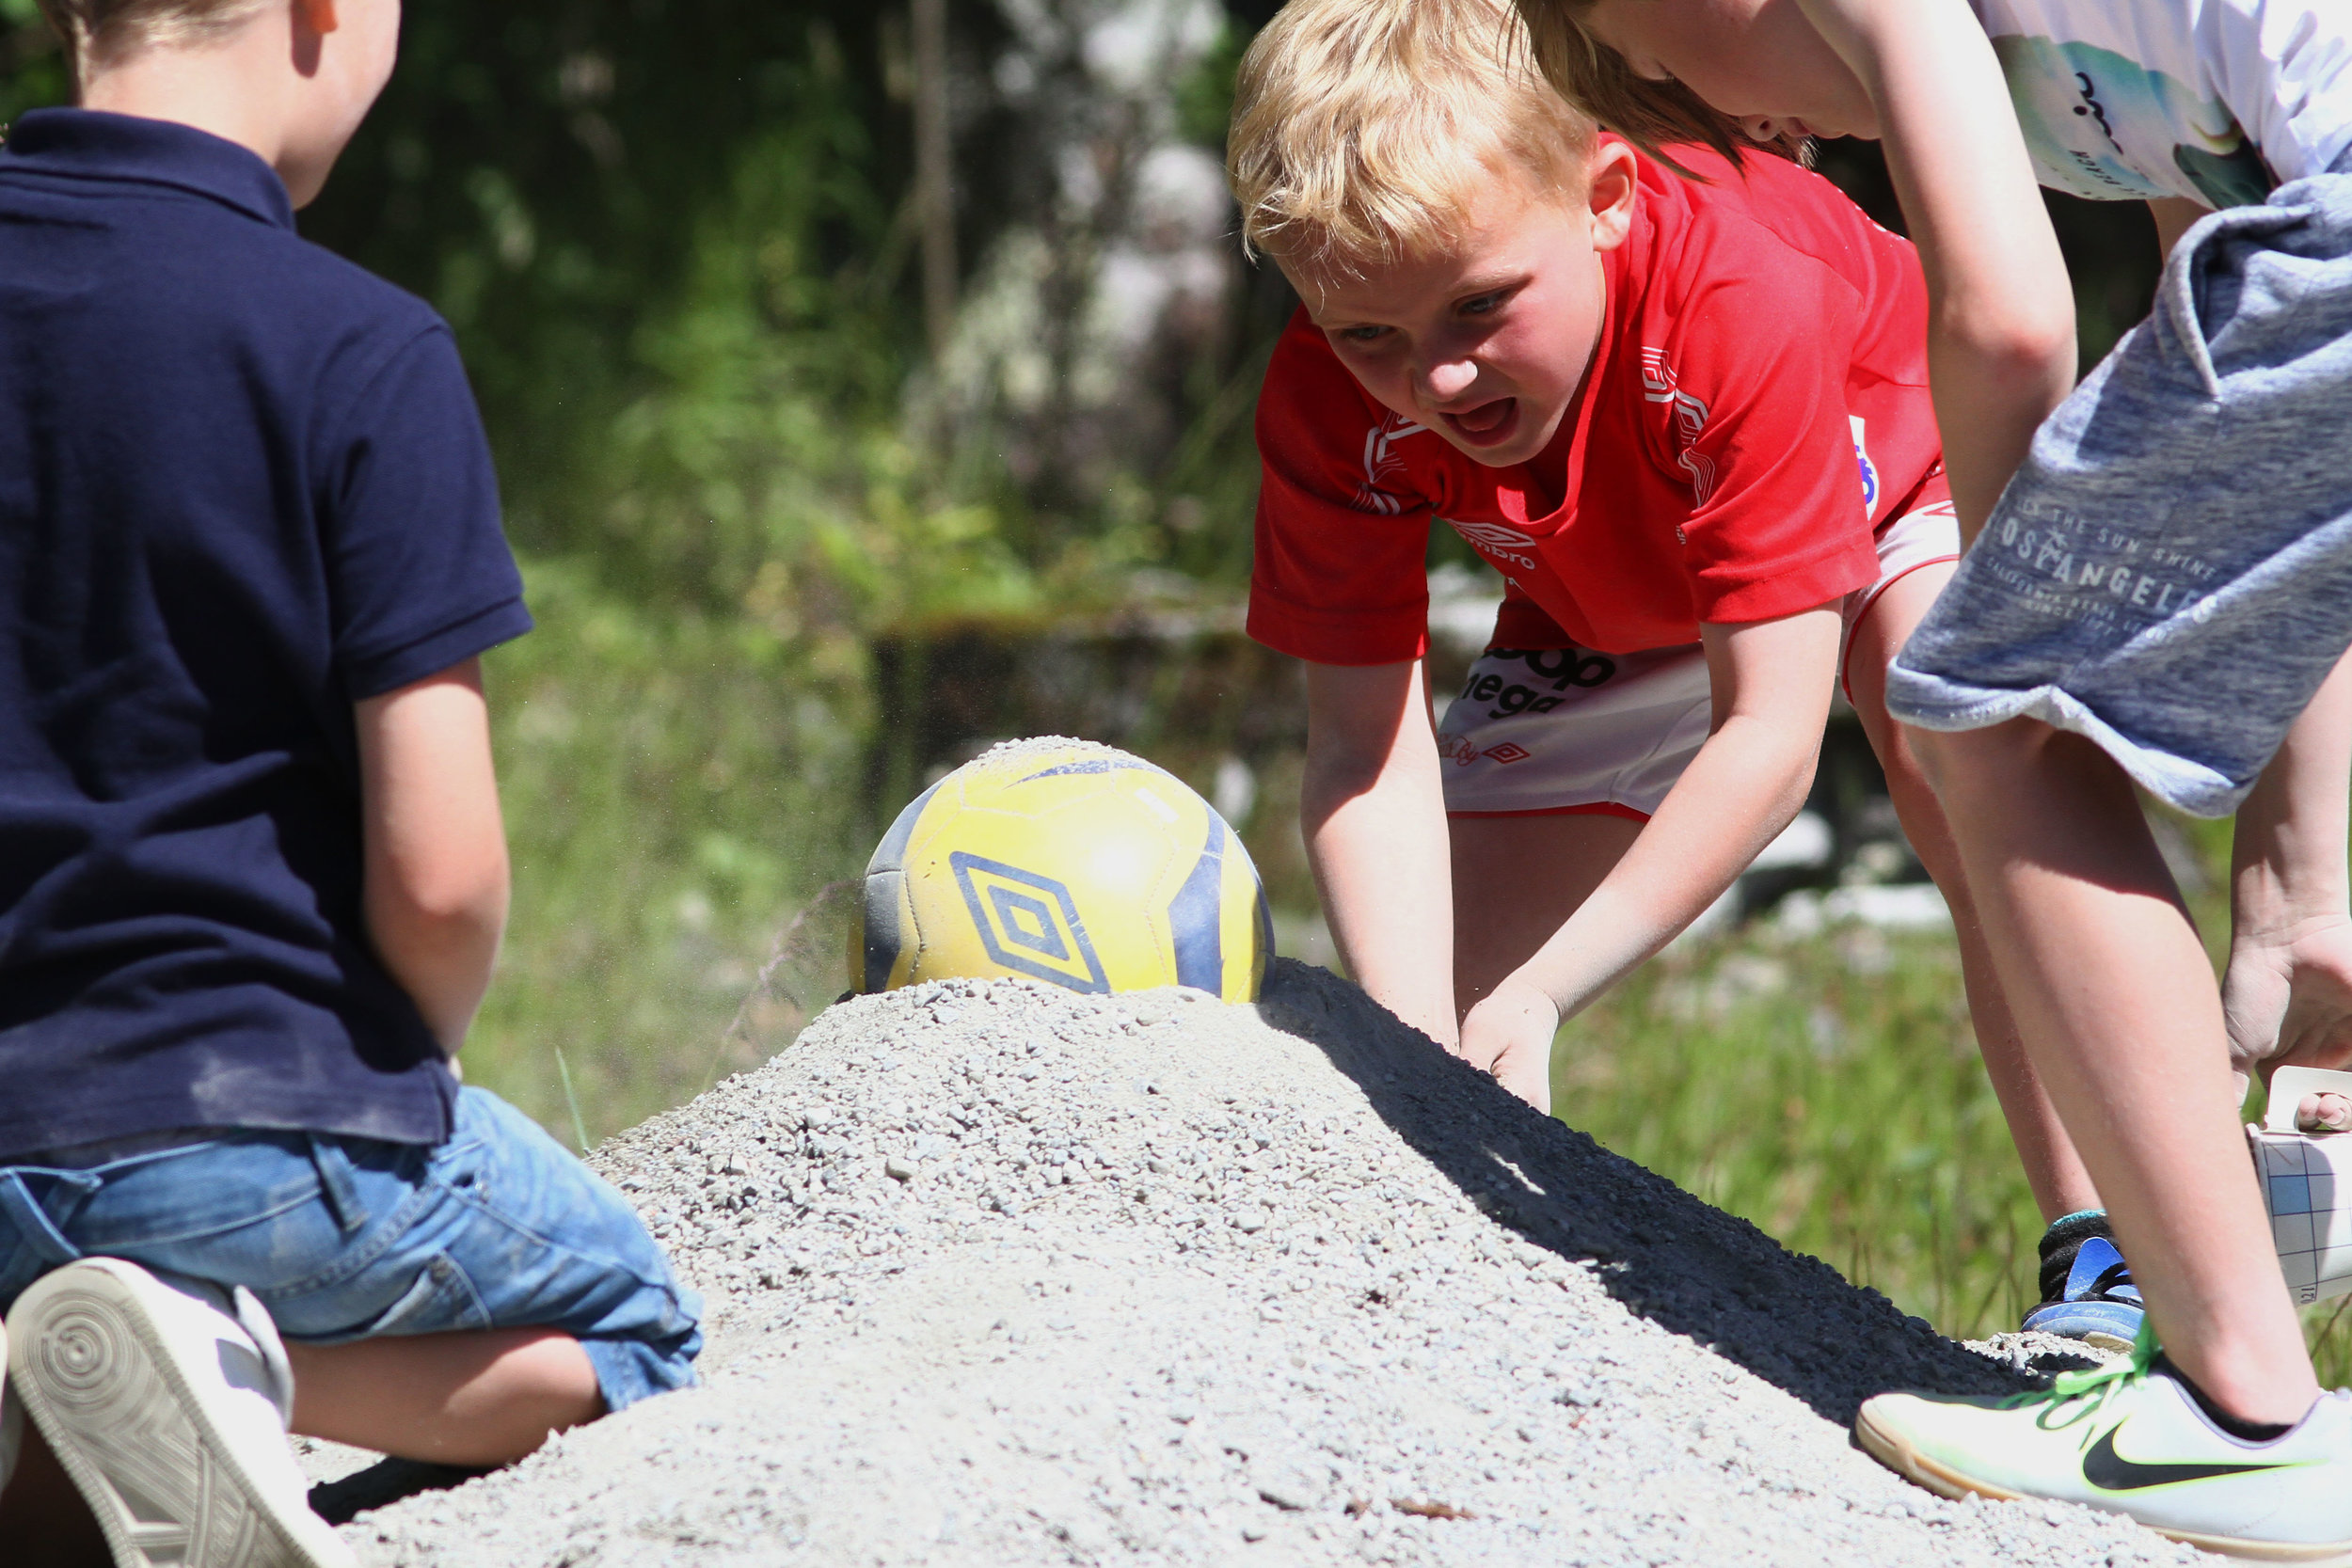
[[1890, 1449], [167, 1490]]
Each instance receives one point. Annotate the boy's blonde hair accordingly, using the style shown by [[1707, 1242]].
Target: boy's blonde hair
[[1595, 78], [1362, 128], [97, 30]]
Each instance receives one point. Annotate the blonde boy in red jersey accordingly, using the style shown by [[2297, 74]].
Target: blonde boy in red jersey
[[1687, 420], [2209, 443]]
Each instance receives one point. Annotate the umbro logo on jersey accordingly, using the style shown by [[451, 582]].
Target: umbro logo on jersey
[[1464, 750], [1491, 533], [1498, 540], [1381, 463], [1689, 419], [2110, 1471]]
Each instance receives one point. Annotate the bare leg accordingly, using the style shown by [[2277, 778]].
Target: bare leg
[[1516, 882], [2115, 1005], [483, 1397], [2052, 1169], [2288, 992]]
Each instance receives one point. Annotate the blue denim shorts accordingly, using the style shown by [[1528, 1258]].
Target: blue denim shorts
[[2169, 573], [347, 1238]]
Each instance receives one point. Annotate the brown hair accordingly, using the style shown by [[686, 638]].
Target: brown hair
[[1363, 129], [1650, 113], [97, 30]]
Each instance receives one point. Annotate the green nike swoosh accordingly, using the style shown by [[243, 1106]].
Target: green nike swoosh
[[2110, 1471]]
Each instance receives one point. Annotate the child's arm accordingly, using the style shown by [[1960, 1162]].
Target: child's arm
[[2001, 315], [435, 849], [1372, 809], [2287, 994], [2174, 216], [1771, 684]]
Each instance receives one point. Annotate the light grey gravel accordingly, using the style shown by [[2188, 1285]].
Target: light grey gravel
[[1003, 1275]]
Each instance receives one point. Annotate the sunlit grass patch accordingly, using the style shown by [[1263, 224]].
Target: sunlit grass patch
[[1828, 1090], [676, 790]]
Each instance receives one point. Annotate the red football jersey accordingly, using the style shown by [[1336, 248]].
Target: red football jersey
[[1763, 340]]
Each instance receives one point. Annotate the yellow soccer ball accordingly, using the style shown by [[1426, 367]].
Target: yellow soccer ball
[[1064, 860]]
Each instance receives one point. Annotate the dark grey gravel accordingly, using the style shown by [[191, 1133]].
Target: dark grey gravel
[[1000, 1274]]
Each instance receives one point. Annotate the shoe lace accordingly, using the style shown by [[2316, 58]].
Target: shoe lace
[[2074, 1398], [2114, 1279]]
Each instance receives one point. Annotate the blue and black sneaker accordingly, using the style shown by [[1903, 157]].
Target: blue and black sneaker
[[2087, 1288]]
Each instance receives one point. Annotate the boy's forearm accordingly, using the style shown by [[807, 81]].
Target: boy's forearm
[[1744, 786], [1988, 402], [442, 960], [1381, 865], [1373, 816], [2288, 859], [2174, 217], [433, 845], [2001, 313]]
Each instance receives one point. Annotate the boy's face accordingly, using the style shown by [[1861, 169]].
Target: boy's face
[[1487, 341], [1760, 61]]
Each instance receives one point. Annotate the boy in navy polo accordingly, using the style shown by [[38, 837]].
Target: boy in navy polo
[[252, 874]]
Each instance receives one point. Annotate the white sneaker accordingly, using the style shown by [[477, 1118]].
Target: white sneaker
[[168, 1405], [2134, 1441]]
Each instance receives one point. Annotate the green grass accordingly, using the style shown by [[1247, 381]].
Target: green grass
[[677, 793], [1828, 1091]]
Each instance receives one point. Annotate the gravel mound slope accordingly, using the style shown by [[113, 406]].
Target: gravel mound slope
[[1004, 1275]]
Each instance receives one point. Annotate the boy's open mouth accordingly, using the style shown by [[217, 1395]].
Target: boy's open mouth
[[1487, 424]]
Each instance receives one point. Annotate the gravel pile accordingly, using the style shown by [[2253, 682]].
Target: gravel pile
[[1004, 1276]]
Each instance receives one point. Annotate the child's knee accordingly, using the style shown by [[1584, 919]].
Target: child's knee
[[1941, 755], [1965, 765], [543, 1364]]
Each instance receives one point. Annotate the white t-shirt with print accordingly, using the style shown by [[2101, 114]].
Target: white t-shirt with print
[[2217, 100]]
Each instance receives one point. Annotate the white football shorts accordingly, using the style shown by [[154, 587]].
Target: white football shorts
[[1543, 732]]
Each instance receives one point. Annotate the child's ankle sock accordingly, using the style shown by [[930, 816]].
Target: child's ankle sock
[[2064, 1238], [2244, 1430]]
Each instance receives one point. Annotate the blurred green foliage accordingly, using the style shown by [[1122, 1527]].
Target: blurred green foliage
[[32, 67], [1204, 99], [670, 236], [672, 786]]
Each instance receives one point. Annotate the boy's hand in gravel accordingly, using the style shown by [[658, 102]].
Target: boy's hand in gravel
[[1509, 1036]]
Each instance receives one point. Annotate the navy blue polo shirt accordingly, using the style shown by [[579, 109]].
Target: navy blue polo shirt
[[243, 484]]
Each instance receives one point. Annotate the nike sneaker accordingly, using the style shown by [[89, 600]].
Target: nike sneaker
[[2131, 1439], [2088, 1295], [167, 1403]]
